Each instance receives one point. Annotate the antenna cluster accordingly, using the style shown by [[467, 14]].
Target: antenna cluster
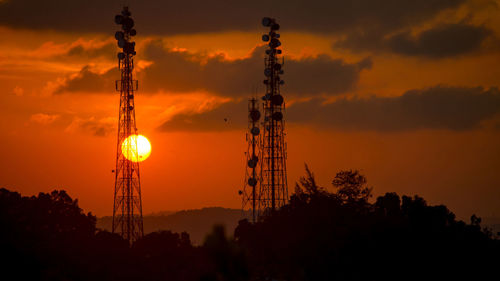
[[251, 191], [123, 36], [268, 189]]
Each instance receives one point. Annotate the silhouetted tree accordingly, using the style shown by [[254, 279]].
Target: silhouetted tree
[[351, 186], [48, 234], [319, 235], [342, 236]]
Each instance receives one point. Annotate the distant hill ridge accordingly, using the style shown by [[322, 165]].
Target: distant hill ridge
[[197, 222]]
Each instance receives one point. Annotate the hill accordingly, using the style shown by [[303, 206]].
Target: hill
[[198, 222]]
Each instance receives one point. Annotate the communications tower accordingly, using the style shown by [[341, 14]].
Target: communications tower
[[267, 190], [251, 191], [127, 207], [274, 186]]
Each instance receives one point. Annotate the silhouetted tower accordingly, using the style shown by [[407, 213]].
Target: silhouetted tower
[[127, 209], [273, 186], [251, 192]]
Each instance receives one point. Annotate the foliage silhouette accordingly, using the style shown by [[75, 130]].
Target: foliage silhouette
[[323, 235], [319, 235]]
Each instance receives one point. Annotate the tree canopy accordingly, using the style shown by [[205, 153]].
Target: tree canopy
[[340, 234]]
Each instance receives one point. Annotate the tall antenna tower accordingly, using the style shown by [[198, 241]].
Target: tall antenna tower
[[267, 190], [127, 208], [274, 186], [251, 192]]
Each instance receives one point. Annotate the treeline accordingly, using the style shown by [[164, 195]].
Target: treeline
[[319, 235]]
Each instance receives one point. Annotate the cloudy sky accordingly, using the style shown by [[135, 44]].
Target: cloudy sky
[[405, 91]]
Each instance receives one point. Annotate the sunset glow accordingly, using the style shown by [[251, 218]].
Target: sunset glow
[[140, 148]]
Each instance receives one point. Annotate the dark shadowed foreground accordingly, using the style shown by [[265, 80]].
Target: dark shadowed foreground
[[319, 235]]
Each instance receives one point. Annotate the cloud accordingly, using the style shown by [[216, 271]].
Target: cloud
[[194, 16], [18, 91], [97, 127], [181, 71], [224, 117], [440, 107], [444, 40], [88, 82], [80, 51], [43, 118], [440, 41]]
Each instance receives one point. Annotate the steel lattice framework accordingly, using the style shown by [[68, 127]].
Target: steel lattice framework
[[127, 209], [251, 191], [268, 189]]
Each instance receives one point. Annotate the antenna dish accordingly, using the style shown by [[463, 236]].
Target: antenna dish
[[255, 131], [121, 56], [129, 47], [277, 66], [277, 100], [126, 12], [277, 116], [119, 35], [267, 72], [128, 23], [278, 51], [255, 115], [133, 32], [266, 97], [252, 182], [265, 37], [251, 163], [274, 43], [121, 43], [275, 26], [118, 19], [267, 21]]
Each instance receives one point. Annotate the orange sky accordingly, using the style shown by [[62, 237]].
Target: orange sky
[[58, 134]]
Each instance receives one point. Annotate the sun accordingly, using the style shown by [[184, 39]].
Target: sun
[[139, 152]]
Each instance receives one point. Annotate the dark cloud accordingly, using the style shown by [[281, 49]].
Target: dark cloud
[[450, 108], [80, 52], [440, 107], [440, 41], [174, 71], [98, 128], [107, 51], [180, 71], [89, 82], [225, 117], [193, 16]]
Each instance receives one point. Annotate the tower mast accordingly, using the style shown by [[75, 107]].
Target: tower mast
[[251, 192], [274, 186], [127, 207], [266, 186]]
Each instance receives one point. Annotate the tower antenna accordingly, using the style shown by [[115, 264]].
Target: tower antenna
[[251, 191], [127, 206], [271, 187]]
